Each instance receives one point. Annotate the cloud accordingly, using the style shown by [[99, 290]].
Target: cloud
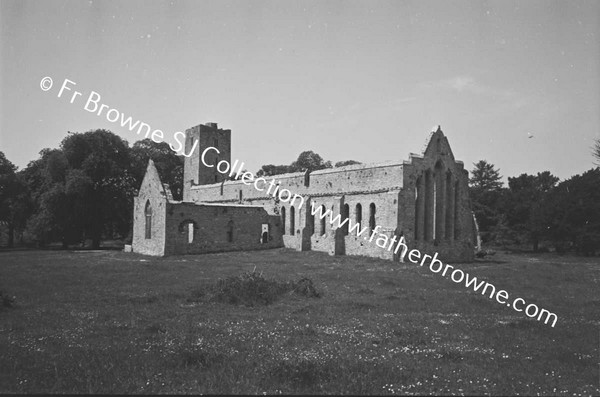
[[468, 85], [462, 83]]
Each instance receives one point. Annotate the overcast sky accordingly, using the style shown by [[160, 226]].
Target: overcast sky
[[350, 80]]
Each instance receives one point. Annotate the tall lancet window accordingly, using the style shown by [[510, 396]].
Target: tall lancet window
[[148, 214]]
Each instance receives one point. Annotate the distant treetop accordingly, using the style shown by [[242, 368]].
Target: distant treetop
[[485, 177]]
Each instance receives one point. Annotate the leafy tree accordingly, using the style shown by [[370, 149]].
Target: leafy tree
[[271, 169], [346, 162], [7, 177], [572, 213], [237, 176], [307, 160], [13, 198], [311, 161], [20, 209], [104, 161], [60, 197], [86, 188], [525, 202], [35, 177], [167, 162], [7, 174]]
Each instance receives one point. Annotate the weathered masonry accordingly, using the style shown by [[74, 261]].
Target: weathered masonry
[[424, 199]]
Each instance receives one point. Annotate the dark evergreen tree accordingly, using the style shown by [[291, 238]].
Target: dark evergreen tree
[[485, 188], [485, 177]]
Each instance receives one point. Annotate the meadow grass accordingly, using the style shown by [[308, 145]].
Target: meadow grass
[[112, 322]]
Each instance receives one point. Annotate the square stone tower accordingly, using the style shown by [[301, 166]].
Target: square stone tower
[[217, 144]]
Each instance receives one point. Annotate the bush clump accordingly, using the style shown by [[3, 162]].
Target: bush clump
[[252, 289], [7, 300]]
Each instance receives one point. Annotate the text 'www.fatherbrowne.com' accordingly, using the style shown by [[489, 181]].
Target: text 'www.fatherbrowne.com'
[[435, 265], [382, 240]]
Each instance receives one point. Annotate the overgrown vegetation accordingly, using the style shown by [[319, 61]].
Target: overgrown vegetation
[[252, 289]]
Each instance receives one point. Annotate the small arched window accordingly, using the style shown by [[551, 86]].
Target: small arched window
[[345, 217], [358, 214], [148, 216], [372, 216], [292, 220], [322, 220], [283, 220], [310, 222]]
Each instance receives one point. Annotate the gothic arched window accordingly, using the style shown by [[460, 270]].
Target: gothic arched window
[[148, 223]]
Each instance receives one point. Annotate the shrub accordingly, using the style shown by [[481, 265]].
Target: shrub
[[587, 243], [7, 300], [484, 253], [252, 289], [306, 288]]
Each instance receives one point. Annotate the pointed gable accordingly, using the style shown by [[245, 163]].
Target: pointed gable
[[152, 181], [437, 146]]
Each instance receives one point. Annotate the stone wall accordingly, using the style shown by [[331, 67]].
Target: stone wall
[[437, 209], [202, 228], [342, 180], [149, 215]]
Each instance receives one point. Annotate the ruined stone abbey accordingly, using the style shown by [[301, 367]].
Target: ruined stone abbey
[[424, 199]]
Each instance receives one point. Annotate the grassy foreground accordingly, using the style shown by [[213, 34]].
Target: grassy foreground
[[111, 322]]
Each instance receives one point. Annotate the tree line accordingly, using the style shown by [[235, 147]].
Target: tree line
[[306, 161], [538, 210], [84, 189]]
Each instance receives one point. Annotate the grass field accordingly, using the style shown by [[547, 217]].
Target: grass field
[[111, 322]]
